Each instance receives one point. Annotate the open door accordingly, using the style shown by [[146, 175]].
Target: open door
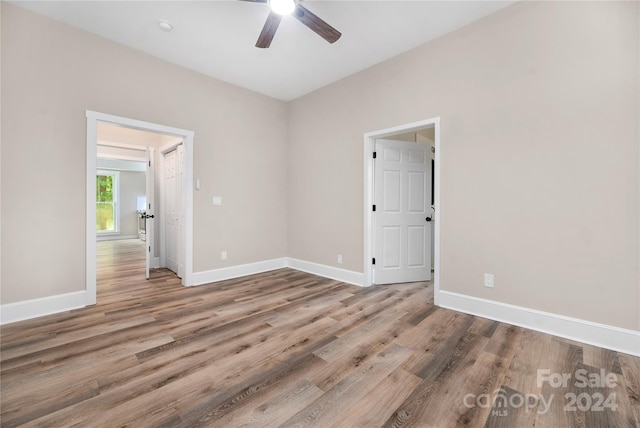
[[171, 210], [402, 213], [172, 247], [150, 209]]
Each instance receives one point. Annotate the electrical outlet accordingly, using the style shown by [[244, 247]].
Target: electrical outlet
[[488, 280], [339, 259], [217, 200], [223, 255]]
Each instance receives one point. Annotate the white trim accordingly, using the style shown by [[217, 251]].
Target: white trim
[[114, 237], [92, 142], [231, 272], [170, 146], [90, 222], [27, 309], [369, 148], [348, 276], [118, 157], [601, 335], [437, 216], [134, 147], [238, 271]]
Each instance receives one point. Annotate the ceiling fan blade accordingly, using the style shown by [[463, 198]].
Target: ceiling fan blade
[[269, 30], [323, 29]]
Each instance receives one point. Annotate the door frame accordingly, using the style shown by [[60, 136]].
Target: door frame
[[187, 136], [369, 233]]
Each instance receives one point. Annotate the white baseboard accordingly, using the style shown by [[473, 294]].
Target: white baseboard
[[115, 237], [27, 309], [155, 263], [602, 335], [231, 272], [348, 276]]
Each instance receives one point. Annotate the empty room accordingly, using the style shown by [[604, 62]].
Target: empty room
[[267, 213]]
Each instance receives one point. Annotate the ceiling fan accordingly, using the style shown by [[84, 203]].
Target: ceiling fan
[[279, 8]]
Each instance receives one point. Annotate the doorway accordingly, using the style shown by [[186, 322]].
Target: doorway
[[117, 148], [185, 236], [369, 184]]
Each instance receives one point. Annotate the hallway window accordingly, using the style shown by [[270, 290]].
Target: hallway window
[[107, 201]]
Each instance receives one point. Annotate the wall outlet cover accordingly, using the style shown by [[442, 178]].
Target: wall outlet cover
[[488, 280]]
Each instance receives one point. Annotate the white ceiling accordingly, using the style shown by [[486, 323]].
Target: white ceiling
[[217, 37]]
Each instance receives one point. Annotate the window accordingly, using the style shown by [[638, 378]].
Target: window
[[107, 201]]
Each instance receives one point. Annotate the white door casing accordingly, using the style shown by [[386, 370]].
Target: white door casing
[[402, 197], [180, 199], [171, 210]]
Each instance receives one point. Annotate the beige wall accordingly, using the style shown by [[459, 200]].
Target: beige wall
[[51, 74], [132, 185], [540, 149], [540, 155]]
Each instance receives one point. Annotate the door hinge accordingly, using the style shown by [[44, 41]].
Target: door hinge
[[149, 163], [374, 155], [149, 206], [374, 207], [149, 248], [373, 261]]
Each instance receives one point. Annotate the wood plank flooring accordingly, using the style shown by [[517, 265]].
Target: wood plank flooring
[[286, 348]]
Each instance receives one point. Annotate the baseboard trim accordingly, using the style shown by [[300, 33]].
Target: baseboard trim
[[602, 335], [348, 276], [115, 237], [27, 309], [206, 277]]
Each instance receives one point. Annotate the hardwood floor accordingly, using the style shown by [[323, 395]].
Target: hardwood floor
[[286, 348]]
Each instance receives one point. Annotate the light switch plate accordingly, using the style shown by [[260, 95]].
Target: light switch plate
[[217, 200]]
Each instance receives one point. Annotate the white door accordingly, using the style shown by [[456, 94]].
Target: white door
[[171, 212], [402, 195], [149, 212], [180, 200]]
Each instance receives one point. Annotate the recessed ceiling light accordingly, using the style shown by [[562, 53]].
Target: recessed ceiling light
[[165, 26]]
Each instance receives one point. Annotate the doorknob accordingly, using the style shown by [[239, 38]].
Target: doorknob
[[149, 216], [428, 218]]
